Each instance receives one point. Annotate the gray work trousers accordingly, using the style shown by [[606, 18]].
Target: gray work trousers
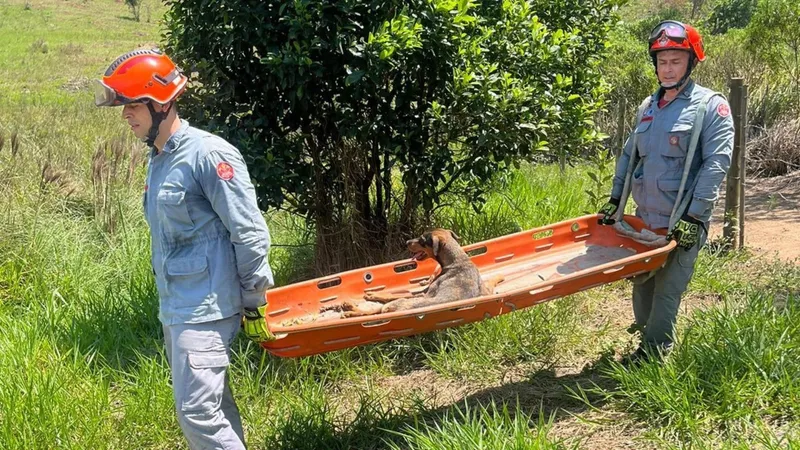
[[657, 296], [199, 355]]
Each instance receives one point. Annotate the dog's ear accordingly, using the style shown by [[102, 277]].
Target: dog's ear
[[427, 240], [435, 245], [455, 236]]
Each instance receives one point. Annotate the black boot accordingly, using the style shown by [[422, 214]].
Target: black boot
[[647, 352]]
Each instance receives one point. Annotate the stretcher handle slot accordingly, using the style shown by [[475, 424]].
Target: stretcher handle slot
[[329, 299], [544, 234], [543, 247], [449, 322], [511, 306], [613, 269], [462, 308], [417, 280], [278, 312], [395, 332], [541, 289], [504, 258], [375, 288], [329, 283], [477, 251], [375, 323], [286, 349], [405, 267], [341, 341]]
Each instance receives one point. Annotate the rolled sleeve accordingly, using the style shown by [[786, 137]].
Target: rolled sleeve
[[225, 181], [717, 147]]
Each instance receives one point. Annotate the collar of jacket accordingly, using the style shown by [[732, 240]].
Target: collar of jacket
[[174, 141]]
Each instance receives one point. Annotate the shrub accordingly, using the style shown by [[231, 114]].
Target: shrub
[[359, 114]]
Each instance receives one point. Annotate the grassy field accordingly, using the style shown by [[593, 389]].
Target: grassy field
[[81, 358]]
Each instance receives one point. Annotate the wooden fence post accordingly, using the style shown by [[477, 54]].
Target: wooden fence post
[[733, 231]]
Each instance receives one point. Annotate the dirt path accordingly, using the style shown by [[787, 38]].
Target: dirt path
[[772, 219], [547, 390]]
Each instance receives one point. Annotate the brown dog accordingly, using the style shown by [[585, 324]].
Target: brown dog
[[459, 279]]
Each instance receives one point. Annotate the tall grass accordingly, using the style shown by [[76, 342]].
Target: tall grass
[[735, 366], [481, 428]]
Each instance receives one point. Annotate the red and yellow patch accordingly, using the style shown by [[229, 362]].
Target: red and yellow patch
[[723, 110], [224, 171]]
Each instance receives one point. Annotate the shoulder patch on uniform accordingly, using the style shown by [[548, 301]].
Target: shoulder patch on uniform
[[723, 110], [224, 171]]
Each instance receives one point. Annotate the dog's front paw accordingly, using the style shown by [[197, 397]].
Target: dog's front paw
[[349, 305], [389, 307]]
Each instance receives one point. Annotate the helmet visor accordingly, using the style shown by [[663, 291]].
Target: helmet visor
[[673, 31], [106, 96]]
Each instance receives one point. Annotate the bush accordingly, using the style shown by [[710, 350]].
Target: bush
[[774, 35], [776, 151], [358, 114], [729, 14], [628, 71]]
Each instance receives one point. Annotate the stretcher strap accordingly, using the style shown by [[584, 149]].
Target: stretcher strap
[[681, 201]]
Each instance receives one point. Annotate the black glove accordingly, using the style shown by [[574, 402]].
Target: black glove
[[686, 232], [608, 210]]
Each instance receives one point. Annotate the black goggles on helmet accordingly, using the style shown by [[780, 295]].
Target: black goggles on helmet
[[671, 30], [106, 96]]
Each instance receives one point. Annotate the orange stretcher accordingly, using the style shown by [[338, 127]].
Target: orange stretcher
[[541, 264]]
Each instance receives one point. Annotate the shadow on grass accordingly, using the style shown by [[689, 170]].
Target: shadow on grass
[[371, 426], [546, 393]]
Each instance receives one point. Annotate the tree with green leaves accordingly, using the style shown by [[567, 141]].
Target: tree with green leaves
[[774, 33], [361, 115]]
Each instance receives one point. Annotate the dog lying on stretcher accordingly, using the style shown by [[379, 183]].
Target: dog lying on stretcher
[[459, 279]]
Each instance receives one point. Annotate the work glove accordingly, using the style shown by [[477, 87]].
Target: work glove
[[255, 325], [686, 232], [608, 210]]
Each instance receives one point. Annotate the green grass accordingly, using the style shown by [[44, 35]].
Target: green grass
[[734, 367], [81, 352], [480, 428], [52, 49]]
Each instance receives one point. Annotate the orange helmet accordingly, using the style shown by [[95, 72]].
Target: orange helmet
[[140, 76], [673, 35]]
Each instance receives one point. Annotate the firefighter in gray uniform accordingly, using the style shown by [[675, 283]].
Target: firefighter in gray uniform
[[209, 244], [661, 136]]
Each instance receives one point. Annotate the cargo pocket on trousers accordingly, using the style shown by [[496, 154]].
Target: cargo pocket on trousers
[[688, 258], [204, 381]]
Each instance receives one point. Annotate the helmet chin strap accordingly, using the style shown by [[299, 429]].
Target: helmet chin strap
[[156, 119]]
